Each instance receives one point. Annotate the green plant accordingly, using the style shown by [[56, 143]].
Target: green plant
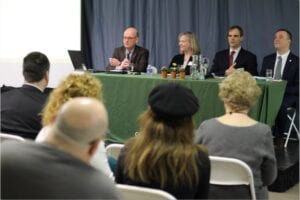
[[181, 69], [163, 68]]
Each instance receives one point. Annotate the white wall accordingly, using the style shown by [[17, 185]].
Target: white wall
[[49, 26]]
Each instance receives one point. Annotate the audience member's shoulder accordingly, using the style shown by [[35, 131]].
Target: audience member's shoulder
[[10, 146], [208, 122], [5, 88], [48, 90], [263, 128]]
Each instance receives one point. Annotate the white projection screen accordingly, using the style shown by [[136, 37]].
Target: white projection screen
[[49, 26]]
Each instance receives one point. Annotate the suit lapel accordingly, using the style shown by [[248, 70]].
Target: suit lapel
[[239, 59], [287, 67], [272, 62], [134, 53], [226, 58]]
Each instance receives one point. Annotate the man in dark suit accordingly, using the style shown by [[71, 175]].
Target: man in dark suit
[[228, 60], [285, 66], [129, 55], [21, 107]]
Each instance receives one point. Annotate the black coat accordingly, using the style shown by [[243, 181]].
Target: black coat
[[21, 109], [245, 59]]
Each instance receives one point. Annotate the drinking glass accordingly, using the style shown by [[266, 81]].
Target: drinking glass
[[131, 67], [269, 74]]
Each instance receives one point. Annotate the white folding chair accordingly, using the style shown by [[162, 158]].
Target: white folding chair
[[231, 171], [4, 136], [130, 192], [113, 150], [291, 116]]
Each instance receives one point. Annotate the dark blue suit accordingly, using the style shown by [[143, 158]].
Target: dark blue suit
[[245, 59], [291, 96]]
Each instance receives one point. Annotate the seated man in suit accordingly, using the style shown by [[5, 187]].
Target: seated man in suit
[[21, 107], [228, 60], [129, 53], [58, 168], [285, 66]]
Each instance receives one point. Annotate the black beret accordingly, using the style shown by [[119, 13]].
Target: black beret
[[173, 100]]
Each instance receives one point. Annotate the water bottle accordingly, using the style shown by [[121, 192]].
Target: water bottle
[[149, 70], [202, 73]]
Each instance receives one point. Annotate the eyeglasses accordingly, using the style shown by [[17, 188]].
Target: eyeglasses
[[129, 38]]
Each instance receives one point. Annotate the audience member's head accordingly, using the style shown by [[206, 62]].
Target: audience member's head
[[79, 126], [235, 36], [188, 41], [36, 69], [239, 91], [166, 131], [130, 37], [77, 84], [170, 114], [283, 40]]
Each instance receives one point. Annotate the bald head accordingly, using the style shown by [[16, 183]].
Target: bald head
[[82, 120], [133, 31]]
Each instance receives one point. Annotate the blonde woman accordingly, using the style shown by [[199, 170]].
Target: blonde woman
[[188, 46], [236, 135], [77, 84], [163, 154]]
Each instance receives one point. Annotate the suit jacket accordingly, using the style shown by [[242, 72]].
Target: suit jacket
[[20, 111], [245, 59], [290, 74], [139, 58]]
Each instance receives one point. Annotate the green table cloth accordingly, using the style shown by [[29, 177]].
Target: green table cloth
[[126, 96]]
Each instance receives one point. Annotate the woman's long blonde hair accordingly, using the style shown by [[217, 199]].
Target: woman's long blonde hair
[[163, 151], [195, 46], [77, 84]]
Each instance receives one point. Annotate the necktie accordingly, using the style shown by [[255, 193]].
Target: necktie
[[128, 55], [277, 74], [231, 58]]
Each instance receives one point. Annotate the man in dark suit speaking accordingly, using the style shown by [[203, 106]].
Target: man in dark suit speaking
[[129, 53], [285, 66], [228, 60], [21, 107]]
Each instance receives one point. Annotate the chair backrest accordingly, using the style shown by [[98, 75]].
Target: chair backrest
[[4, 136], [231, 171], [130, 192], [113, 150]]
